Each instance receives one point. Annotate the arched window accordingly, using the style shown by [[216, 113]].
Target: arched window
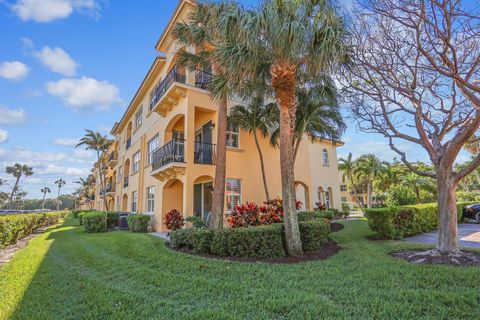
[[325, 158]]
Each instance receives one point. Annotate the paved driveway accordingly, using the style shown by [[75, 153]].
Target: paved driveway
[[468, 236]]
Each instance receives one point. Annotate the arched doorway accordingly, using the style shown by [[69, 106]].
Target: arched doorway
[[302, 194], [202, 197], [321, 196], [329, 198], [125, 203], [126, 173], [172, 196]]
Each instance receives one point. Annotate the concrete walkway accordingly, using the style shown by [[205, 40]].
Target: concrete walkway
[[468, 236], [163, 235]]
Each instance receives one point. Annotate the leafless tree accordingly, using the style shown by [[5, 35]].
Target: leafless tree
[[415, 77]]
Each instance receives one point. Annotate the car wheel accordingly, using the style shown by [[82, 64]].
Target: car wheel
[[477, 217]]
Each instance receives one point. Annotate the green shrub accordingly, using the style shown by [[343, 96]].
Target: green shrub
[[80, 217], [315, 215], [200, 240], [381, 221], [95, 222], [112, 219], [14, 227], [138, 222], [180, 238], [314, 234], [197, 222], [400, 195], [78, 211], [345, 207]]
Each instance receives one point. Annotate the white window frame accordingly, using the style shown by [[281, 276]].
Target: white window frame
[[343, 188], [327, 196], [139, 117], [150, 199], [326, 160], [136, 162], [231, 133], [134, 201], [150, 151], [228, 193], [120, 173]]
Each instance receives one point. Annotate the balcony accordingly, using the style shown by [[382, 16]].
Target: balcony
[[202, 79], [129, 143], [167, 92], [112, 159], [204, 153], [169, 160], [125, 182], [110, 188]]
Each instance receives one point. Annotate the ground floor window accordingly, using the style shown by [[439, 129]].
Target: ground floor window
[[327, 199], [134, 201], [117, 204], [344, 199], [150, 199], [233, 194]]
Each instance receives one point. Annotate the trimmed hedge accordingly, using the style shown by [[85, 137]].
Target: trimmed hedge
[[138, 222], [406, 221], [14, 227], [95, 222], [315, 215], [254, 242], [112, 219], [78, 211]]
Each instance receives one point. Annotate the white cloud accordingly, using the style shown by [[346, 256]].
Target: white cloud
[[64, 171], [84, 154], [85, 93], [50, 10], [27, 43], [57, 60], [3, 135], [105, 129], [10, 116], [66, 142], [13, 70]]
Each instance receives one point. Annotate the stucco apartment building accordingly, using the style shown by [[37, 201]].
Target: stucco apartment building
[[164, 152]]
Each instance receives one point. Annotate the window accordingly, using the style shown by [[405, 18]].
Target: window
[[150, 199], [138, 117], [117, 204], [233, 136], [151, 147], [136, 162], [344, 199], [325, 158], [327, 199], [120, 173], [233, 194], [343, 187], [134, 201]]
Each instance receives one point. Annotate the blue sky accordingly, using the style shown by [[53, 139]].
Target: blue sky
[[68, 65]]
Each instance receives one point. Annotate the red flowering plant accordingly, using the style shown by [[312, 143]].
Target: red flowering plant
[[320, 206], [173, 220], [277, 206]]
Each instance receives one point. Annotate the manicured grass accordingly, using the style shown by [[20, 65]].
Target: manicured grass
[[68, 274]]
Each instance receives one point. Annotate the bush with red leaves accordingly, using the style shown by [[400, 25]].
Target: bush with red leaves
[[173, 220]]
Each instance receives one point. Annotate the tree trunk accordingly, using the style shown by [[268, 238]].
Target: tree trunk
[[13, 192], [369, 194], [218, 201], [262, 166], [102, 182], [417, 193], [58, 198], [356, 194], [447, 214], [43, 201], [283, 81]]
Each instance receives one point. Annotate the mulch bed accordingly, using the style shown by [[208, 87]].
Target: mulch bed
[[463, 259], [334, 227], [7, 253], [330, 249]]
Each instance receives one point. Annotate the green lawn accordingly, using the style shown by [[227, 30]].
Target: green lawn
[[67, 274]]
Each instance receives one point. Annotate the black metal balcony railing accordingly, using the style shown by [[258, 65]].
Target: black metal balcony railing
[[177, 74], [202, 79], [125, 182], [112, 156], [129, 143], [173, 151], [204, 153], [110, 187]]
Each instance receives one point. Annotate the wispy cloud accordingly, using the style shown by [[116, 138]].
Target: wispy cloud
[[66, 142], [50, 10], [57, 60], [13, 70], [85, 93], [11, 116], [3, 135]]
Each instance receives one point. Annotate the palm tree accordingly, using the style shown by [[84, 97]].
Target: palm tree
[[285, 44], [369, 167], [100, 144], [347, 166], [18, 170], [44, 190], [202, 33], [317, 116], [253, 118], [60, 182]]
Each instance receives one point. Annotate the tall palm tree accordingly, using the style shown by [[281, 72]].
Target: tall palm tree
[[368, 166], [18, 170], [100, 144], [347, 166], [60, 183], [285, 44], [253, 118], [202, 33], [318, 116], [44, 190]]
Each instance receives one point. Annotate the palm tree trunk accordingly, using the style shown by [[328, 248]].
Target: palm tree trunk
[[58, 198], [283, 81], [262, 166], [354, 187], [43, 200], [13, 192], [369, 194], [417, 193], [102, 181], [218, 201], [297, 145]]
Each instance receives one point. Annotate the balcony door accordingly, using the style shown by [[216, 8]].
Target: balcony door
[[203, 142], [202, 199]]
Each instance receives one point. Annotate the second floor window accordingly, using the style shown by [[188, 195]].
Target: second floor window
[[151, 147], [136, 162], [134, 201], [326, 162], [138, 117], [343, 187], [120, 173], [233, 136]]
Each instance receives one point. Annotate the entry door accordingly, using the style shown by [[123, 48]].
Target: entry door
[[207, 142], [202, 199], [207, 199]]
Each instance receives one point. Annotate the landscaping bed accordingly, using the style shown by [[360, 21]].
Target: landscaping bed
[[464, 258]]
